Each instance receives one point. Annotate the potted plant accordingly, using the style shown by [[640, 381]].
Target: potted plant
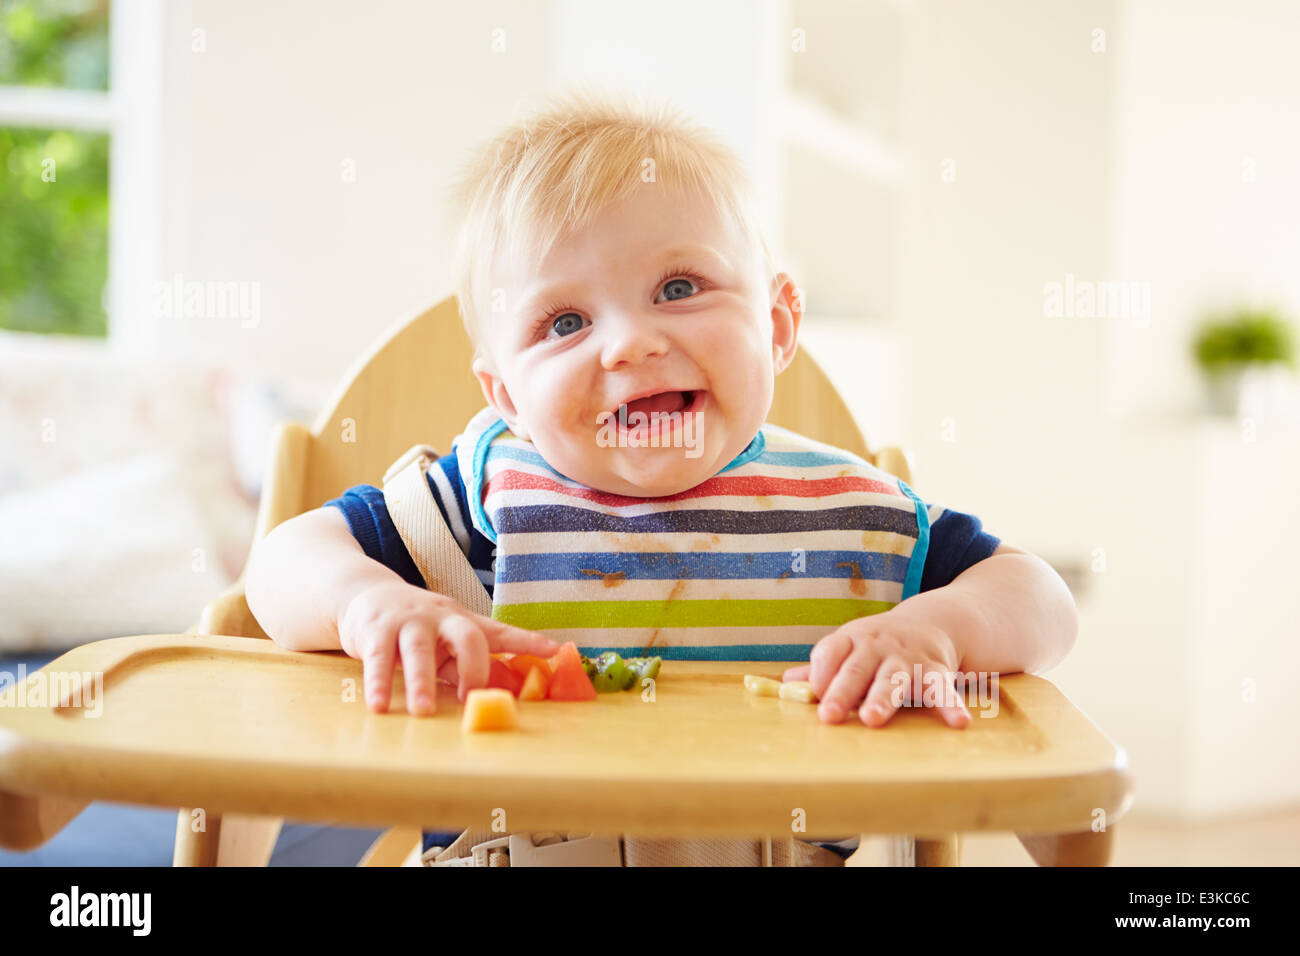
[[1228, 345]]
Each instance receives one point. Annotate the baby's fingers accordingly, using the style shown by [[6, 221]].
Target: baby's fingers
[[889, 691], [467, 643], [848, 686], [797, 673], [417, 644], [953, 706], [378, 661], [508, 639]]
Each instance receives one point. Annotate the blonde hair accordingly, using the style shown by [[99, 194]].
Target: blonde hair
[[552, 172]]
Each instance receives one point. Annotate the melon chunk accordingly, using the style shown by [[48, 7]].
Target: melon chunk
[[535, 685], [490, 708]]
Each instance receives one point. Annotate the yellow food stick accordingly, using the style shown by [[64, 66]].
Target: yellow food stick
[[762, 686], [799, 690]]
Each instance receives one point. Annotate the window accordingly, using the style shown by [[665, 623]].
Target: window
[[79, 97], [54, 180]]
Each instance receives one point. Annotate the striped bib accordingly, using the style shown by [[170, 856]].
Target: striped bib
[[786, 543]]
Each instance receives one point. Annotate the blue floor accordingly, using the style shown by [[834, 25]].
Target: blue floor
[[107, 834]]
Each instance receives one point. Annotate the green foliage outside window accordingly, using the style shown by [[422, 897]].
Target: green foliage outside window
[[53, 183], [54, 43]]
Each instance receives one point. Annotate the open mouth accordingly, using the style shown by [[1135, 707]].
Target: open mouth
[[649, 407]]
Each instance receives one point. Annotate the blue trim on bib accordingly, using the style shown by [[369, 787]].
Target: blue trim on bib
[[915, 568], [476, 478], [752, 451]]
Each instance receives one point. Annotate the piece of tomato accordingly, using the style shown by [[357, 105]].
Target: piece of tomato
[[568, 652], [522, 664], [570, 680], [500, 675]]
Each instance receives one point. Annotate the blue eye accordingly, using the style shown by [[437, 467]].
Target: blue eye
[[685, 287], [568, 323]]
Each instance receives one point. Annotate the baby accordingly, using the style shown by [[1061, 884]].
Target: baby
[[621, 488]]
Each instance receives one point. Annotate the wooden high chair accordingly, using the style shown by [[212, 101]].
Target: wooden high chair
[[240, 733]]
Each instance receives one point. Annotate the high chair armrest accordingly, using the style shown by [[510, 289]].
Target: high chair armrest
[[228, 613]]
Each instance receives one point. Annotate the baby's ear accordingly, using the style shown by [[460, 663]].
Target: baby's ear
[[497, 395], [787, 313]]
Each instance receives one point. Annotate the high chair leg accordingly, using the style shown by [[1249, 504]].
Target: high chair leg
[[1086, 848], [235, 839], [196, 847], [875, 849], [943, 851]]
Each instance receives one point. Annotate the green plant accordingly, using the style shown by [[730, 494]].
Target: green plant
[[1244, 337]]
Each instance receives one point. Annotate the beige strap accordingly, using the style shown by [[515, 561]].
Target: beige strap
[[415, 514], [642, 851], [480, 848]]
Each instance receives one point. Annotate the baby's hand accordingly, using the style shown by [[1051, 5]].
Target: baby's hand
[[869, 664], [434, 636]]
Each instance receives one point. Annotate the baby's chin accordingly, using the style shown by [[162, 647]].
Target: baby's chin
[[646, 472]]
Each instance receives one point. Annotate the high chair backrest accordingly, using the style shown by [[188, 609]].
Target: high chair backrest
[[415, 386]]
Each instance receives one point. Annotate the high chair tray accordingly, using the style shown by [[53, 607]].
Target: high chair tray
[[237, 725]]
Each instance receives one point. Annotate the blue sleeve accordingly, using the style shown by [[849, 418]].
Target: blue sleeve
[[368, 519], [957, 541]]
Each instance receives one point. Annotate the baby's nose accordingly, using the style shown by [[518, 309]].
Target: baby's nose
[[631, 341]]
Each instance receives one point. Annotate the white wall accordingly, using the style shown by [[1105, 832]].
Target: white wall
[[1207, 197], [282, 96]]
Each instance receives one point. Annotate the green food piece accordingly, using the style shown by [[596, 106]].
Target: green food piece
[[611, 673], [632, 671], [643, 667], [589, 666]]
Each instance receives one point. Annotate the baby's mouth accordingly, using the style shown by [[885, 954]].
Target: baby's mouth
[[661, 403]]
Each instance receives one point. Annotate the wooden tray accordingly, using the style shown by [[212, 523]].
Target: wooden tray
[[240, 725]]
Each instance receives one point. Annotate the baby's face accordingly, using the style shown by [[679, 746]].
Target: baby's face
[[660, 307]]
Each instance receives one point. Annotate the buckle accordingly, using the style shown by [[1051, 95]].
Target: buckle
[[587, 851], [408, 456]]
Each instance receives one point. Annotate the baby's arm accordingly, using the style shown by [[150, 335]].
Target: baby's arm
[[1010, 612], [312, 588], [302, 575]]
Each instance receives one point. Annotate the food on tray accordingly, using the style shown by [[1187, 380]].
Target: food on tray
[[500, 675], [489, 708], [644, 667], [568, 675], [535, 685], [570, 680], [762, 686], [799, 690], [611, 673]]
